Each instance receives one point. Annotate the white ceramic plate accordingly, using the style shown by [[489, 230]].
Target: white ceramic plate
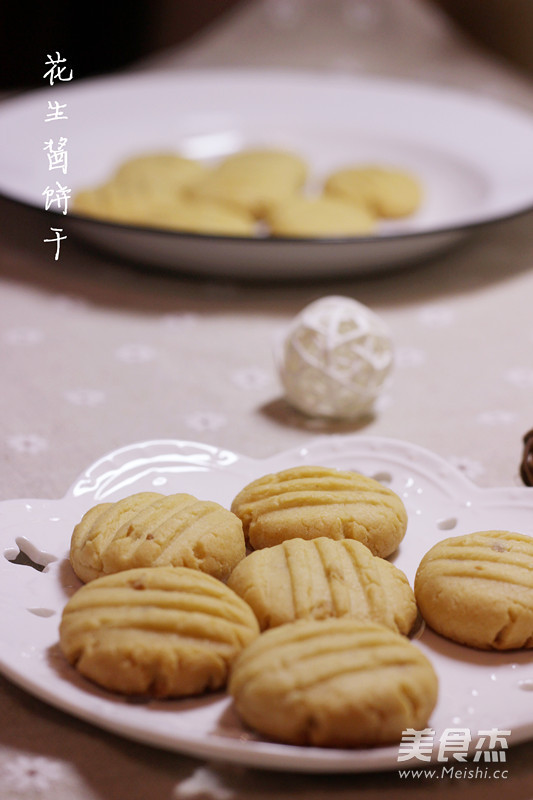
[[472, 154], [478, 690]]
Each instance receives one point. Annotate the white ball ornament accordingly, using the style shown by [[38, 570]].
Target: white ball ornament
[[335, 358]]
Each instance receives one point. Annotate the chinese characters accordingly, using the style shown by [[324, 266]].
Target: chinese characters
[[454, 744], [57, 69], [57, 194]]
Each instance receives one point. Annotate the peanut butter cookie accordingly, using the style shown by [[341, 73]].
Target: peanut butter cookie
[[477, 589], [152, 529], [385, 192], [306, 502], [253, 180], [321, 578], [159, 631], [333, 683], [311, 217]]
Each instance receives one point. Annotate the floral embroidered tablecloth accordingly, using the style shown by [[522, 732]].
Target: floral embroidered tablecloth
[[96, 354]]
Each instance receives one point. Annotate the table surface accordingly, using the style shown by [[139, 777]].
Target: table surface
[[96, 354]]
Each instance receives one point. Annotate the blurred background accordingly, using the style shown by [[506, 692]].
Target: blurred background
[[103, 36], [108, 36]]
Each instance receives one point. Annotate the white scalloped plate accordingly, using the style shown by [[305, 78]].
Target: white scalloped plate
[[478, 690]]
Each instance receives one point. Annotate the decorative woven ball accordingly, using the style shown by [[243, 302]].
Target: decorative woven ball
[[335, 358]]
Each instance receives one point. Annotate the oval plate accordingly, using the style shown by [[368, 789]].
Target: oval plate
[[472, 154]]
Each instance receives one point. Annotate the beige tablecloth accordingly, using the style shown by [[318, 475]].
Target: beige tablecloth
[[96, 354]]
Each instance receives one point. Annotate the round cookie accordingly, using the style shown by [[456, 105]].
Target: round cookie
[[160, 631], [253, 180], [151, 529], [109, 202], [385, 192], [477, 589], [322, 578], [201, 216], [116, 203], [319, 217], [161, 174], [307, 502], [333, 683]]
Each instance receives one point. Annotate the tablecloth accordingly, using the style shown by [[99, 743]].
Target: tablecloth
[[96, 354]]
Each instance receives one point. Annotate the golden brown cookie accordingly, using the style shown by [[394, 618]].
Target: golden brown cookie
[[149, 529], [306, 502], [322, 578], [477, 589], [116, 203], [319, 217], [253, 180], [109, 202], [201, 216], [159, 631], [163, 174], [384, 191], [333, 683]]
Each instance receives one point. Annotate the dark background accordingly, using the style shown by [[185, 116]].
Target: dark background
[[106, 35], [97, 37]]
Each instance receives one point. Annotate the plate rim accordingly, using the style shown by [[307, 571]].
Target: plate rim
[[346, 80]]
